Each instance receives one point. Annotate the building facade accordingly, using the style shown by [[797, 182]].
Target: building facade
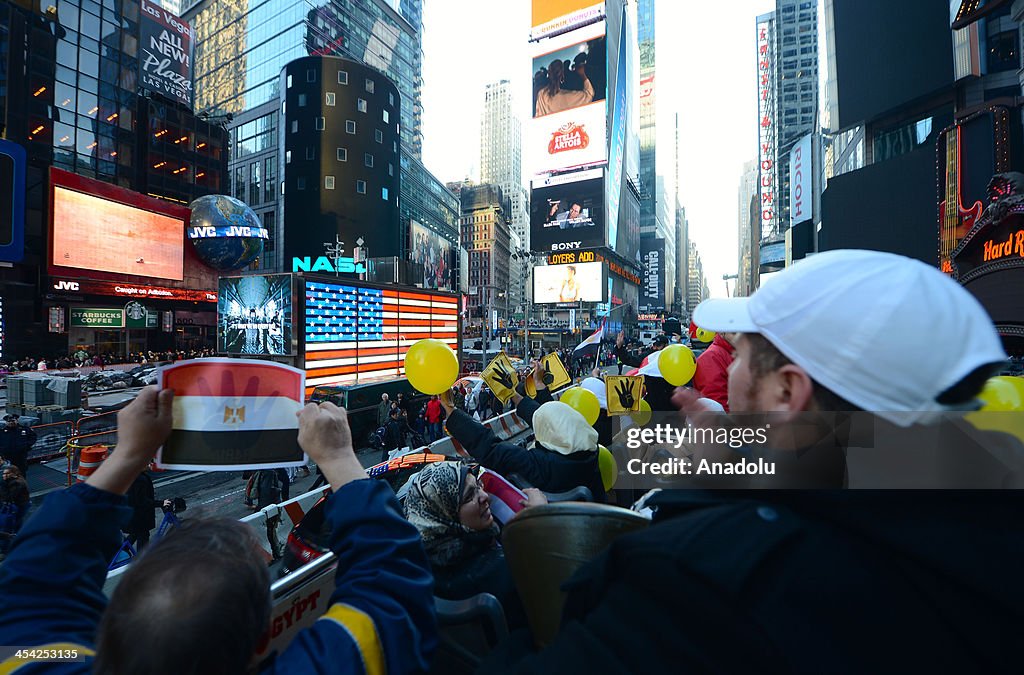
[[339, 157], [749, 236], [697, 284], [70, 95], [486, 236], [501, 163]]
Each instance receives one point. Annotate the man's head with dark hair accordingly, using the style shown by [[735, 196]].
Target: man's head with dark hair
[[196, 602]]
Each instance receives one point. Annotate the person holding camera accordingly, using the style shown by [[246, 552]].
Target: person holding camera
[[143, 503]]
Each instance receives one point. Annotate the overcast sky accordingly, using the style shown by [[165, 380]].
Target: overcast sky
[[706, 71]]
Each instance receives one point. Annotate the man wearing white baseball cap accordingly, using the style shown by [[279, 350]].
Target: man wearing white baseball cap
[[845, 581], [861, 330]]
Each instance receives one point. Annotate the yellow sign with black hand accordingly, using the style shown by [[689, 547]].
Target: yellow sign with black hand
[[501, 377], [624, 393]]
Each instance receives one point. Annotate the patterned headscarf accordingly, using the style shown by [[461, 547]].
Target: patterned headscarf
[[432, 504]]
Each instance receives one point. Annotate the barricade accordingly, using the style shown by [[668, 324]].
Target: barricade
[[51, 440], [76, 444], [96, 423]]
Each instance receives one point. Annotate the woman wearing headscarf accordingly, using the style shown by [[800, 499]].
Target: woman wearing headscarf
[[452, 512], [564, 454]]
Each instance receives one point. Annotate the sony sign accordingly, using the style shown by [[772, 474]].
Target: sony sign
[[566, 246], [325, 264]]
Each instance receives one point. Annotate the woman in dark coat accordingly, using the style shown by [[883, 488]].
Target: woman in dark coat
[[563, 457]]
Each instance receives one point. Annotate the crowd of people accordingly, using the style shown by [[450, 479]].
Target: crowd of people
[[83, 357], [722, 580]]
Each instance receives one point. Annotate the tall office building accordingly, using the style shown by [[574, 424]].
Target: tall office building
[[748, 239], [657, 159], [501, 163], [243, 47], [696, 284], [787, 57], [486, 236]]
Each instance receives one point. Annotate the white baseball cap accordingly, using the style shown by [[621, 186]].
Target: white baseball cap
[[887, 333]]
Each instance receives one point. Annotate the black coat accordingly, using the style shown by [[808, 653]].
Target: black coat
[[15, 444], [143, 503], [800, 581], [544, 469]]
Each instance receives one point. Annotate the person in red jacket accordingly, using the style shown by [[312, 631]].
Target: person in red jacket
[[712, 376], [435, 415]]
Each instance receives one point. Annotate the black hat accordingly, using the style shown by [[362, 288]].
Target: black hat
[[660, 340]]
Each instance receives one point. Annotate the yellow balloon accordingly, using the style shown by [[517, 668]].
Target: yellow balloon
[[1003, 393], [431, 366], [705, 335], [609, 469], [642, 416], [584, 402], [677, 364]]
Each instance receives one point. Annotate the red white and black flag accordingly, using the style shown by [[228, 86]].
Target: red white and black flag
[[233, 413]]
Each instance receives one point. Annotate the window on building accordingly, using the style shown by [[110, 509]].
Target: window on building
[[361, 105], [378, 135], [391, 169], [369, 85], [287, 156], [342, 77], [328, 182], [289, 81], [361, 187], [295, 126], [300, 183], [310, 75], [1002, 52], [310, 152], [330, 98], [384, 194], [269, 178], [368, 160], [350, 126], [302, 100], [342, 154], [391, 98], [320, 123], [386, 116]]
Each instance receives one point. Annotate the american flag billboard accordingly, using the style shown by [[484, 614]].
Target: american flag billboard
[[352, 328]]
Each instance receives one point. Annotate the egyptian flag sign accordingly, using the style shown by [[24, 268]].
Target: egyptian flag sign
[[592, 345], [232, 414]]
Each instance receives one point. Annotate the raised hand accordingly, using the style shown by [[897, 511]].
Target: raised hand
[[503, 376], [625, 393]]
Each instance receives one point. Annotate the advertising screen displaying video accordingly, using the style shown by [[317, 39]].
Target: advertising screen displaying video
[[582, 282], [567, 212], [93, 233], [254, 315], [570, 77]]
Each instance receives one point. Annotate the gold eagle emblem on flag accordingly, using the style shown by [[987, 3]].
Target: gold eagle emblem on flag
[[234, 415]]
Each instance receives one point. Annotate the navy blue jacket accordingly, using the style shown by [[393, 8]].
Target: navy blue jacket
[[380, 617]]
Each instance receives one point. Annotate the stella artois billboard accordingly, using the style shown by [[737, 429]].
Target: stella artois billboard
[[571, 139]]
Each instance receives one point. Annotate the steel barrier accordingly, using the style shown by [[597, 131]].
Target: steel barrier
[[50, 440]]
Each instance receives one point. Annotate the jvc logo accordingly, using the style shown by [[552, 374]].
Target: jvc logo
[[66, 286]]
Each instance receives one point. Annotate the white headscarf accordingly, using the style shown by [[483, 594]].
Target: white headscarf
[[559, 428], [598, 388]]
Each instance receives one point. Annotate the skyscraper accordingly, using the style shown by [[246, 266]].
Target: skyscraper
[[501, 163], [748, 239], [658, 165], [787, 53]]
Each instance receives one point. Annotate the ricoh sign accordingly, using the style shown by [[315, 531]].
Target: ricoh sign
[[800, 181]]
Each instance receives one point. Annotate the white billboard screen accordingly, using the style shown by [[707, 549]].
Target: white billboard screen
[[583, 282]]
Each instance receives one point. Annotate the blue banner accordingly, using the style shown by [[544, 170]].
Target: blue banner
[[12, 201], [618, 140]]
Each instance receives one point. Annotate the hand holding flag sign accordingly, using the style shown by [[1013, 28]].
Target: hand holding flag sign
[[556, 376], [231, 413], [501, 377]]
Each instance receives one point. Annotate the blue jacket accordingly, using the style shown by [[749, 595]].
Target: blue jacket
[[380, 617]]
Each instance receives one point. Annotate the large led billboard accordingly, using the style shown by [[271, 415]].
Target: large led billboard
[[567, 212], [435, 253], [552, 17], [583, 282], [94, 233], [570, 76], [652, 290], [254, 315], [356, 330]]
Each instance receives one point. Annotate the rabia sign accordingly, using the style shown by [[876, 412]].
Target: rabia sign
[[166, 45], [96, 317], [325, 264]]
